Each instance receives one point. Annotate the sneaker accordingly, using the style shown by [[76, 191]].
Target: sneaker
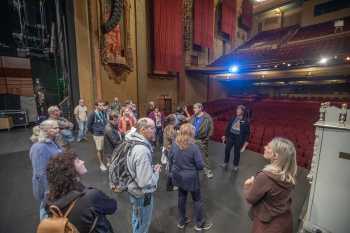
[[209, 174], [205, 226], [103, 167], [224, 165], [175, 188], [235, 168], [182, 226]]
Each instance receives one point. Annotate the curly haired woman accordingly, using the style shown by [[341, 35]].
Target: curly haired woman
[[91, 207]]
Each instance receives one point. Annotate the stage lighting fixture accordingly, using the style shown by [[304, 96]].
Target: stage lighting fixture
[[233, 69], [323, 60]]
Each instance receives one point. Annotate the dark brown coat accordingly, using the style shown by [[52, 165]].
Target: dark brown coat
[[271, 204]]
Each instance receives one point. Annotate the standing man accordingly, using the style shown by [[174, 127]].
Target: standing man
[[204, 128], [145, 175], [65, 136], [97, 121], [80, 113]]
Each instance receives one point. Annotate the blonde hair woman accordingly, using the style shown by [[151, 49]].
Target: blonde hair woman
[[269, 192], [186, 162], [41, 151]]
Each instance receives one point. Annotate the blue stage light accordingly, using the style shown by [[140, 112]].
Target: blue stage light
[[233, 69]]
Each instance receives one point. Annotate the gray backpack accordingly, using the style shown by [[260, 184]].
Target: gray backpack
[[119, 174]]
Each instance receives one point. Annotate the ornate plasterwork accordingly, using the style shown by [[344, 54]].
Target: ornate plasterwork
[[116, 51]]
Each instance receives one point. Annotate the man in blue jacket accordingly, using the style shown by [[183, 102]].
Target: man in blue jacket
[[97, 121]]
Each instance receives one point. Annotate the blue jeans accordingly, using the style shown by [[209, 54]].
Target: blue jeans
[[141, 216], [67, 136], [42, 212], [82, 130]]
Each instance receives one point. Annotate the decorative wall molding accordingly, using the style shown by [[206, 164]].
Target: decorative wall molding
[[116, 50]]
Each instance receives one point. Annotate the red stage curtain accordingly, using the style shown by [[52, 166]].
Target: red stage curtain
[[228, 18], [168, 35], [203, 23], [247, 14]]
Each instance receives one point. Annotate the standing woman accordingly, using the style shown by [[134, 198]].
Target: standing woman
[[112, 136], [158, 118], [41, 151], [89, 205], [187, 161], [168, 139], [236, 135], [269, 192], [126, 121]]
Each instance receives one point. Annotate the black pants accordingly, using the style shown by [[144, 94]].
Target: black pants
[[233, 141], [198, 206]]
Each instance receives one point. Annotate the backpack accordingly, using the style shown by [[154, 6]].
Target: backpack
[[119, 174], [58, 223]]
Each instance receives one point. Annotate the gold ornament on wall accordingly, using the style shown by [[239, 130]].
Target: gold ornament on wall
[[116, 51]]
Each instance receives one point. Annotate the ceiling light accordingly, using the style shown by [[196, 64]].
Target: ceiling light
[[275, 66], [283, 63], [288, 64], [348, 58], [258, 66]]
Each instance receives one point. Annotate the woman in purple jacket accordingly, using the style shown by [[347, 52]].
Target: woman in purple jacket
[[186, 162], [158, 118]]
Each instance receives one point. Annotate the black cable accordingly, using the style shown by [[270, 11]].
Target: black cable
[[116, 13]]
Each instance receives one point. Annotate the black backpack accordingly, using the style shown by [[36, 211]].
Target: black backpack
[[119, 174]]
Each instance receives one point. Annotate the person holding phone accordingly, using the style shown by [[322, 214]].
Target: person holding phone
[[145, 175]]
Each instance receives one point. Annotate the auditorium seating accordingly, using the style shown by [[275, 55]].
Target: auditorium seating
[[285, 117], [319, 30], [309, 51], [291, 47], [269, 37]]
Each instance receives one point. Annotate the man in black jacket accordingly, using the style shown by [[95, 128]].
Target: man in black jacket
[[236, 135], [112, 137]]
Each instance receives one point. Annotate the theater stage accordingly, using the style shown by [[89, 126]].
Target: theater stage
[[223, 201]]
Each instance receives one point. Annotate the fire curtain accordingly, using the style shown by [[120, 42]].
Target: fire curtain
[[247, 14], [168, 35], [228, 18], [203, 23]]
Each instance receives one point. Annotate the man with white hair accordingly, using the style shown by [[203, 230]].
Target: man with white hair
[[145, 175], [65, 136], [40, 153], [80, 113]]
